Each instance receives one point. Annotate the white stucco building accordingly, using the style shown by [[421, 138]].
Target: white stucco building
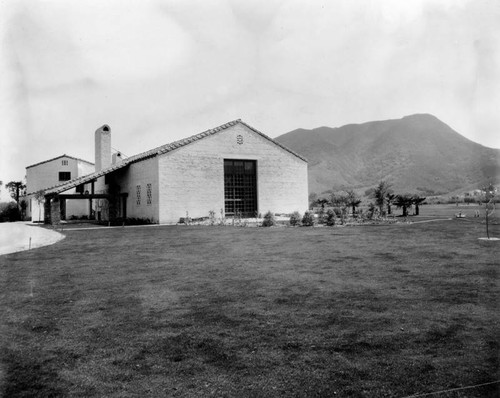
[[52, 172], [233, 169]]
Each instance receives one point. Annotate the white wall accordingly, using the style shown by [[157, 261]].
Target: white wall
[[46, 175], [141, 173], [191, 178]]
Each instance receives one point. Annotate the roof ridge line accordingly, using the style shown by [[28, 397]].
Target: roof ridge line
[[58, 157], [160, 150]]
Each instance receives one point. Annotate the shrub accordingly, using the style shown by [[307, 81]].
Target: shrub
[[137, 221], [321, 215], [211, 217], [308, 219], [338, 211], [295, 219], [269, 220], [119, 221], [9, 212], [330, 218]]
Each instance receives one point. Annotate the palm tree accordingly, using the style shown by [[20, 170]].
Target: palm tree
[[405, 202], [380, 194], [389, 198], [17, 189], [340, 201], [417, 200], [353, 200]]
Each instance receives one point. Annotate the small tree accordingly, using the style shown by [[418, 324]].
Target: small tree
[[372, 209], [389, 199], [40, 199], [405, 202], [295, 219], [269, 220], [489, 208], [352, 200], [341, 202], [211, 217], [308, 219], [381, 194], [16, 189], [417, 201], [330, 218]]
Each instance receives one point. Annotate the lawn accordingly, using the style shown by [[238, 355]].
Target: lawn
[[367, 311]]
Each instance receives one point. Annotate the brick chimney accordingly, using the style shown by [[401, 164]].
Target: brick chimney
[[102, 147]]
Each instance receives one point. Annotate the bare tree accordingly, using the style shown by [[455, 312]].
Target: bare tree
[[489, 208]]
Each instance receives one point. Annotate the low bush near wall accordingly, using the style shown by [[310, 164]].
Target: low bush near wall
[[295, 219], [127, 221], [269, 220], [308, 219], [76, 218]]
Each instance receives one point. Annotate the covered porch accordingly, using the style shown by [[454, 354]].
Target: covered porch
[[100, 206]]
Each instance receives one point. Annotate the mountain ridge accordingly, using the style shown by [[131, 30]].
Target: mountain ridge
[[417, 153]]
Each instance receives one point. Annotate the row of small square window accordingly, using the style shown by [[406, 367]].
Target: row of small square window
[[149, 194]]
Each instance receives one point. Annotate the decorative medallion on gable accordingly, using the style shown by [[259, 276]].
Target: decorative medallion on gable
[[239, 139]]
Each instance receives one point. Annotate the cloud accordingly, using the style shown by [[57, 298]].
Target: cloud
[[161, 70]]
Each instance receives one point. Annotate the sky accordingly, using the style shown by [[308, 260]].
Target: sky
[[158, 71]]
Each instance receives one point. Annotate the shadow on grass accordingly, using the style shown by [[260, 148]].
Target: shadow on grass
[[30, 375]]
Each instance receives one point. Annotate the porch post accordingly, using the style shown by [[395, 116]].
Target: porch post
[[47, 211]]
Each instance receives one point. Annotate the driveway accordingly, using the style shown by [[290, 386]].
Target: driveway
[[16, 236]]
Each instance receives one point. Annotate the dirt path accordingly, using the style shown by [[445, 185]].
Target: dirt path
[[433, 220], [19, 236]]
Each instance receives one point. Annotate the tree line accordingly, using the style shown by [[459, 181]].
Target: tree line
[[384, 199]]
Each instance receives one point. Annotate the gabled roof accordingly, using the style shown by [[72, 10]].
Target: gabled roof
[[59, 157], [155, 152]]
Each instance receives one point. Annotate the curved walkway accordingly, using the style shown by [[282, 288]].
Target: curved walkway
[[16, 236]]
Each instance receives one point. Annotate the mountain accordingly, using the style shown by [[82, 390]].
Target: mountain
[[418, 153]]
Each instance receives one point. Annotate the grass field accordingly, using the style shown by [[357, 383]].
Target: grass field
[[369, 311]]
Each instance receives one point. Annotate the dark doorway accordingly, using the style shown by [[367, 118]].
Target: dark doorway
[[240, 187], [63, 208]]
